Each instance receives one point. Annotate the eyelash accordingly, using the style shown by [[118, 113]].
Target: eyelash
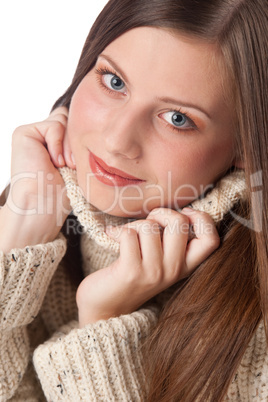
[[100, 72], [104, 71], [192, 127]]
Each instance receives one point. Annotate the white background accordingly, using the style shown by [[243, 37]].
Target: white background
[[40, 44]]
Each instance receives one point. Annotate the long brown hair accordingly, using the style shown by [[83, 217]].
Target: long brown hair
[[207, 324]]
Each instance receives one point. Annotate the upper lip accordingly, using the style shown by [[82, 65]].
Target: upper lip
[[113, 170]]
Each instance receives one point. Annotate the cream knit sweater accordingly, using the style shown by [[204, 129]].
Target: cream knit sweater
[[43, 353]]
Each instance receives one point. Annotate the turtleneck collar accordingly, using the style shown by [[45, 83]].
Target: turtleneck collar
[[227, 191], [92, 220]]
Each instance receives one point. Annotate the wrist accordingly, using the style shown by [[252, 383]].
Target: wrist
[[93, 314], [87, 318], [18, 230]]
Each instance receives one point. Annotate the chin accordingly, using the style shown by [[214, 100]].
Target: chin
[[115, 209]]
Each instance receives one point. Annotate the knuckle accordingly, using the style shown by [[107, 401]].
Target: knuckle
[[150, 226], [162, 211], [203, 215], [17, 133], [173, 273], [124, 233], [19, 129], [63, 110], [154, 277], [156, 211], [21, 135], [179, 225], [129, 232], [182, 219], [58, 126], [62, 118], [15, 136], [145, 226], [133, 274], [136, 224], [213, 241], [57, 142]]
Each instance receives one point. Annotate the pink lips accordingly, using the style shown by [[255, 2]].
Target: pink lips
[[109, 175]]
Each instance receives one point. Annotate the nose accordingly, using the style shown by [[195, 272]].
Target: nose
[[123, 134]]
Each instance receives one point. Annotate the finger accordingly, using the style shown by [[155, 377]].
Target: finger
[[206, 241], [149, 235], [51, 132], [129, 243], [67, 153], [60, 113], [48, 133], [58, 118], [175, 237], [54, 136]]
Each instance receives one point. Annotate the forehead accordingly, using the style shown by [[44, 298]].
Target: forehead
[[167, 61]]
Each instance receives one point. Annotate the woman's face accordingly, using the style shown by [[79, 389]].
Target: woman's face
[[149, 125]]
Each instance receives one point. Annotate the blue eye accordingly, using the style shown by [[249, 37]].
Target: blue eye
[[114, 82], [178, 120]]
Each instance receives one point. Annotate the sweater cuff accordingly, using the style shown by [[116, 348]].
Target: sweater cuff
[[100, 362], [14, 357], [24, 278]]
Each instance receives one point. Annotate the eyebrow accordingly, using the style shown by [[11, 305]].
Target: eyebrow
[[162, 99], [182, 103]]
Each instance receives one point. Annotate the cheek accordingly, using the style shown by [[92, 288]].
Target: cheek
[[218, 156], [194, 163], [87, 110]]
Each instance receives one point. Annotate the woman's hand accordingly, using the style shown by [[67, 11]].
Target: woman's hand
[[154, 254], [37, 205]]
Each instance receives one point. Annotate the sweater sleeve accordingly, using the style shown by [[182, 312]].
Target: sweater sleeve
[[100, 362], [24, 277]]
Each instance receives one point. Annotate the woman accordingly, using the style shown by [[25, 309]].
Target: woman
[[211, 318]]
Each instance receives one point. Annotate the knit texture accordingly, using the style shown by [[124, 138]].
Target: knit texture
[[222, 198], [251, 380], [93, 220], [103, 361], [24, 279]]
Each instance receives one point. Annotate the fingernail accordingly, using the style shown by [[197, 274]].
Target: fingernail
[[61, 160], [73, 160], [155, 211], [188, 210]]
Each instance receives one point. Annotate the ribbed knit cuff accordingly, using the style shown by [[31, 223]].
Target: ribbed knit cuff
[[14, 357], [101, 362], [24, 278]]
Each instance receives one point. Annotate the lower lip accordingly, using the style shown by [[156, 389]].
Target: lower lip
[[108, 178]]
